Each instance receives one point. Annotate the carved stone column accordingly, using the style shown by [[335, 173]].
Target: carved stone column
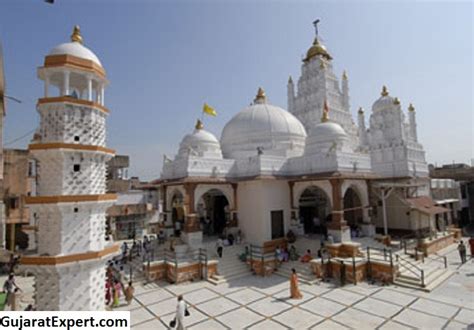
[[192, 234], [338, 228]]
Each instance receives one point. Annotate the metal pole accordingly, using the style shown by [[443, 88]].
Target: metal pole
[[385, 229], [445, 262], [354, 270], [391, 260], [422, 278]]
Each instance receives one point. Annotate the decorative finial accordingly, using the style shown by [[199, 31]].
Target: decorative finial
[[411, 108], [261, 97], [361, 111], [325, 116], [76, 35], [396, 101], [315, 23], [384, 91], [199, 124], [290, 80], [344, 75]]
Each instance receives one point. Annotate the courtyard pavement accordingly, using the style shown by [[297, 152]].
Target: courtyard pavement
[[254, 302]]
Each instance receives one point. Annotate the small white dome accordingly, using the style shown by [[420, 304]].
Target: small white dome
[[324, 135], [262, 125], [200, 143], [385, 101], [75, 49]]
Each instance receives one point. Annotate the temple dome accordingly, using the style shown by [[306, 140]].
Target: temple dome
[[75, 48], [261, 125], [317, 49], [200, 143], [385, 101]]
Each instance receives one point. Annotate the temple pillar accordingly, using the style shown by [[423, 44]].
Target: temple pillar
[[338, 228], [233, 221], [192, 234]]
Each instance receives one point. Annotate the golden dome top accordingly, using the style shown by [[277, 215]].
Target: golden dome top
[[199, 124], [76, 35], [261, 97], [325, 116], [396, 101], [317, 49], [411, 108], [384, 91], [361, 111]]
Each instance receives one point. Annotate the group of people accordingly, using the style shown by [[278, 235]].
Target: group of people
[[114, 288], [285, 254]]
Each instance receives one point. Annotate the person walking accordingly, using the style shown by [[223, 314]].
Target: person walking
[[220, 247], [10, 287], [129, 291], [180, 313], [294, 290], [462, 251]]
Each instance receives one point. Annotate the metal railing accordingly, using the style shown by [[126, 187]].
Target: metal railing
[[439, 258], [378, 255], [414, 269]]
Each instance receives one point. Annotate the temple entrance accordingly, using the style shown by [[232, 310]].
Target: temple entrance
[[352, 208], [213, 212], [315, 210]]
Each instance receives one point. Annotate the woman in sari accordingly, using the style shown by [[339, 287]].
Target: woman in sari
[[294, 291], [307, 256]]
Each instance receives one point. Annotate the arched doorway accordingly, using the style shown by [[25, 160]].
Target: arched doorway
[[213, 212], [314, 210], [353, 213]]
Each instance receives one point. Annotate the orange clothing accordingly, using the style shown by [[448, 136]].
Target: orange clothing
[[306, 258], [294, 291]]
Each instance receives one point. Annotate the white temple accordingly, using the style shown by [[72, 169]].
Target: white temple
[[307, 169], [69, 209]]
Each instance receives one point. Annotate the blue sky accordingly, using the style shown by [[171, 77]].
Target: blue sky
[[165, 58]]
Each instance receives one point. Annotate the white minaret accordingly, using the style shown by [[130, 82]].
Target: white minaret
[[362, 131], [345, 91], [69, 209], [291, 94], [412, 122]]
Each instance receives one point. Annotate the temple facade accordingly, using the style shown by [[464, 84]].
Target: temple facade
[[68, 212], [310, 169]]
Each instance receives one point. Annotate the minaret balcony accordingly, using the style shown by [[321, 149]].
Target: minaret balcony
[[74, 101]]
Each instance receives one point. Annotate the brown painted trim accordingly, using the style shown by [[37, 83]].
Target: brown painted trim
[[73, 62], [69, 99], [38, 260], [69, 199], [58, 145]]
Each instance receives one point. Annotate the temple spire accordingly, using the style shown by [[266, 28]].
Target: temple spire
[[199, 124], [384, 91], [261, 97]]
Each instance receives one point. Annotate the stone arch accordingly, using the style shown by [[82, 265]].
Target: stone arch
[[226, 190], [360, 188], [314, 207], [171, 191], [300, 187], [212, 206]]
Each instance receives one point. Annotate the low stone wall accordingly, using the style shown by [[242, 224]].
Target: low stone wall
[[363, 270], [263, 268], [457, 232], [344, 250], [186, 271], [432, 246], [270, 246]]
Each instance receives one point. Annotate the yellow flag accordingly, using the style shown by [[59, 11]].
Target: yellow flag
[[209, 110]]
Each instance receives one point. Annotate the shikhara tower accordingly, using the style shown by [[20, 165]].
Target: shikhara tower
[[69, 210]]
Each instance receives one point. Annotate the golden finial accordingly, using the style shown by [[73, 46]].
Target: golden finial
[[260, 95], [396, 101], [76, 35], [411, 108], [325, 116], [344, 75], [384, 91], [361, 111], [290, 80], [199, 124]]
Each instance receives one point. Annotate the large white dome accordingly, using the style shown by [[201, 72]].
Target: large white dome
[[200, 143], [75, 49], [261, 125]]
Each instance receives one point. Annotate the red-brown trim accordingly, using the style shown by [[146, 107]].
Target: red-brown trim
[[57, 145], [73, 62], [68, 99], [69, 198], [37, 260]]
